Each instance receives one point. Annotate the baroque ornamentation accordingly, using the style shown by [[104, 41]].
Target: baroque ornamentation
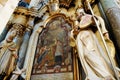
[[56, 43], [65, 2]]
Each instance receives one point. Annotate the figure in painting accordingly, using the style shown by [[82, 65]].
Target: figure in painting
[[58, 56], [43, 52], [93, 58]]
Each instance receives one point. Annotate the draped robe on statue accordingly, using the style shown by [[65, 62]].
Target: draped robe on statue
[[9, 49], [94, 59], [5, 50]]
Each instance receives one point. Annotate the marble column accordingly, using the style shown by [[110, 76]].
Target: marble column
[[31, 51], [22, 54], [23, 48], [24, 45], [112, 12]]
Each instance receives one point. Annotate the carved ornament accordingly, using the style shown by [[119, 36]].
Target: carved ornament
[[65, 2]]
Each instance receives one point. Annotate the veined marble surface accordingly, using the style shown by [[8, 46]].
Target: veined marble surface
[[55, 76]]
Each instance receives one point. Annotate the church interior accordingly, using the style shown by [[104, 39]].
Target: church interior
[[59, 39]]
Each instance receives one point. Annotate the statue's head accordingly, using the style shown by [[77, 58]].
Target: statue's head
[[54, 6], [19, 29], [13, 33], [80, 11], [76, 23]]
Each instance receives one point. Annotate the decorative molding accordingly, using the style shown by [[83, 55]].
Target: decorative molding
[[65, 2]]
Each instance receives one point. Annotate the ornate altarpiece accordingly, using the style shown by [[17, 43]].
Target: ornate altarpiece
[[48, 55]]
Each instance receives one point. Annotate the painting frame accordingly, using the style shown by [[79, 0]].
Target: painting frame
[[70, 22]]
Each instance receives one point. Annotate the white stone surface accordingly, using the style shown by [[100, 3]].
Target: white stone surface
[[6, 12], [117, 3], [34, 3]]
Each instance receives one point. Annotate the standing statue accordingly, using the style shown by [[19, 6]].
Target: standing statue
[[7, 42], [24, 45], [58, 56], [9, 49], [91, 52]]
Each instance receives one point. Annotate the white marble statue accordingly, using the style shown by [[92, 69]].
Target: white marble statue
[[91, 52]]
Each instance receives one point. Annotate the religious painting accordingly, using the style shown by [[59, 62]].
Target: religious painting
[[54, 59]]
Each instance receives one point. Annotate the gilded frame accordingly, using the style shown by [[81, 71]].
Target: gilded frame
[[74, 58]]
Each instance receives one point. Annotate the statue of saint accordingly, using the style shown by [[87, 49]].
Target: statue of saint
[[9, 49], [91, 52], [7, 42]]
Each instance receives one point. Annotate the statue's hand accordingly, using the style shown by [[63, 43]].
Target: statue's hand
[[106, 35], [15, 55], [19, 71]]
